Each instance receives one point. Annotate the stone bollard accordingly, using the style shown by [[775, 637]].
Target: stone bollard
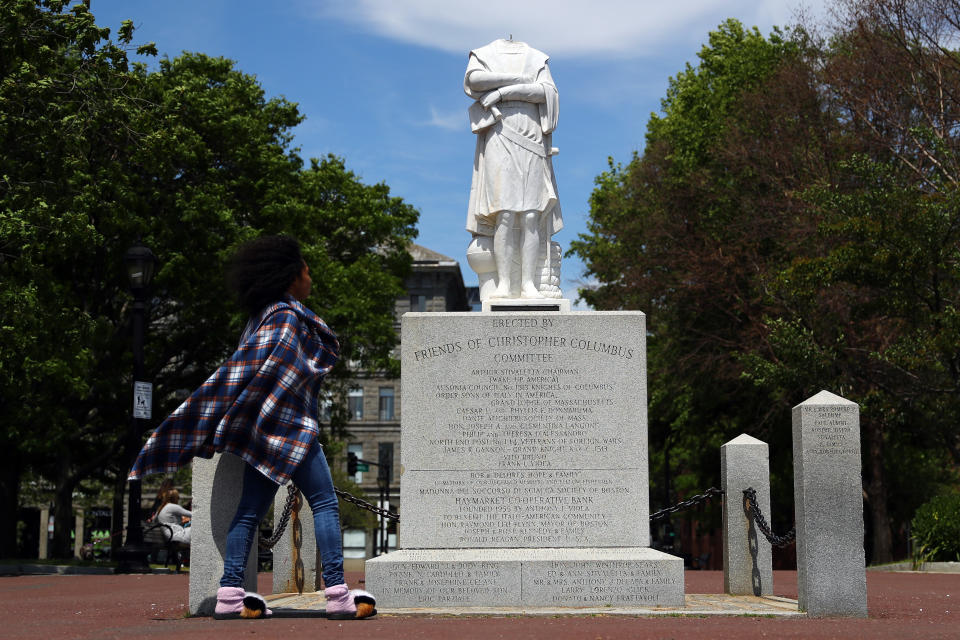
[[78, 534], [284, 565], [44, 533], [747, 556], [828, 496], [217, 485]]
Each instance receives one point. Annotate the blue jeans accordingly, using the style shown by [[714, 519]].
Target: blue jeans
[[312, 477]]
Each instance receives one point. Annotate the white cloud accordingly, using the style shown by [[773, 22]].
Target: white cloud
[[455, 121], [620, 28]]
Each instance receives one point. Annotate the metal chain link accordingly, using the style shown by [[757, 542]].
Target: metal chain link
[[697, 499], [363, 504], [778, 541], [298, 571], [268, 543]]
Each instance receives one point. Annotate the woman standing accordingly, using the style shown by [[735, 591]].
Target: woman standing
[[262, 405]]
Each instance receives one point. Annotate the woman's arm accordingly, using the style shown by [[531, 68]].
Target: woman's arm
[[179, 511]]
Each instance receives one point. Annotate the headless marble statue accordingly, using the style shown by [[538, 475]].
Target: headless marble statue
[[514, 210]]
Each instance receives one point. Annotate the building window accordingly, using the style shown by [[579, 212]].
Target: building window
[[354, 543], [357, 449], [418, 302], [355, 403], [326, 406], [386, 403]]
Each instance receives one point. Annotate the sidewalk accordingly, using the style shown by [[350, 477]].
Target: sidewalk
[[902, 605]]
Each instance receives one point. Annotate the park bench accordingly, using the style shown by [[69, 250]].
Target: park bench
[[158, 537]]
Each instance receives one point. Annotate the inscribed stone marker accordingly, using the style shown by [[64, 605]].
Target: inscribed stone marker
[[530, 431], [828, 498], [525, 465]]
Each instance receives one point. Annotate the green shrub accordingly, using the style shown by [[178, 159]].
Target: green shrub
[[936, 530]]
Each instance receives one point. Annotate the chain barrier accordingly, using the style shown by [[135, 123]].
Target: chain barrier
[[268, 543], [298, 571], [363, 504], [292, 500], [750, 497], [695, 500]]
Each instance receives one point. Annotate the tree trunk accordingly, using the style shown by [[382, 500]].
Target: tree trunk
[[876, 487], [10, 506], [63, 522]]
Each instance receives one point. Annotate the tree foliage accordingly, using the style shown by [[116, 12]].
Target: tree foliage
[[792, 225], [97, 153]]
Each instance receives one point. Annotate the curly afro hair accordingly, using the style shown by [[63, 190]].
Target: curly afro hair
[[263, 269]]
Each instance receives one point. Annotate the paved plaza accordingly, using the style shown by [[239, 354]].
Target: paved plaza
[[902, 605]]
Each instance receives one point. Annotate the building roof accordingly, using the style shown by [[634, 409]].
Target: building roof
[[422, 254]]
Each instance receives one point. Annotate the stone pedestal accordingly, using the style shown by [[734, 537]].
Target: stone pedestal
[[828, 497], [747, 556], [524, 464], [217, 487]]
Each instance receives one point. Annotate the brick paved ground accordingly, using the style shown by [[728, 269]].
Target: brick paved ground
[[902, 605]]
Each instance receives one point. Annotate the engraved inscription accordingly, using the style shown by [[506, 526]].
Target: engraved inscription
[[834, 431], [526, 508], [528, 432], [417, 583], [591, 583]]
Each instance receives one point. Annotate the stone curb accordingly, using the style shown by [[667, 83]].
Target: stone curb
[[926, 567], [25, 569], [696, 605]]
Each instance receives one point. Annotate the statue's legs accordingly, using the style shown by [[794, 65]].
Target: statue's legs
[[504, 245], [529, 255]]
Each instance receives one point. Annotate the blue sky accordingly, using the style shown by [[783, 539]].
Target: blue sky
[[380, 81]]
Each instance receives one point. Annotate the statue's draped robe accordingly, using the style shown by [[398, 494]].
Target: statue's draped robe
[[512, 166]]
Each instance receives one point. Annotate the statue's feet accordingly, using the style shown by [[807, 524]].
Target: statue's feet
[[530, 291], [501, 292]]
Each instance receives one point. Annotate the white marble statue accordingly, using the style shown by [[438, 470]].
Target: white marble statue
[[514, 210]]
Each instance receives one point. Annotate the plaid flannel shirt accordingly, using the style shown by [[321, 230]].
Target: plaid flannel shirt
[[262, 404]]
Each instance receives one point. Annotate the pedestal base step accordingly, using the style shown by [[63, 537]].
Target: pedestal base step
[[540, 305], [579, 577]]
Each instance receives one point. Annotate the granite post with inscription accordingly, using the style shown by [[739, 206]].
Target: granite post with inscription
[[524, 465], [828, 496]]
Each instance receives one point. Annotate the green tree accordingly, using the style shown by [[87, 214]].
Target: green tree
[[792, 225], [66, 103], [191, 159], [681, 232]]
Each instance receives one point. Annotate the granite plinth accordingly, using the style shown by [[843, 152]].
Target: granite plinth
[[526, 578], [526, 430], [524, 465]]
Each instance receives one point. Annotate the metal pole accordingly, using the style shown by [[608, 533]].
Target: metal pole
[[134, 531], [133, 554]]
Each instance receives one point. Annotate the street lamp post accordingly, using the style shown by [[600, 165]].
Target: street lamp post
[[141, 264]]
